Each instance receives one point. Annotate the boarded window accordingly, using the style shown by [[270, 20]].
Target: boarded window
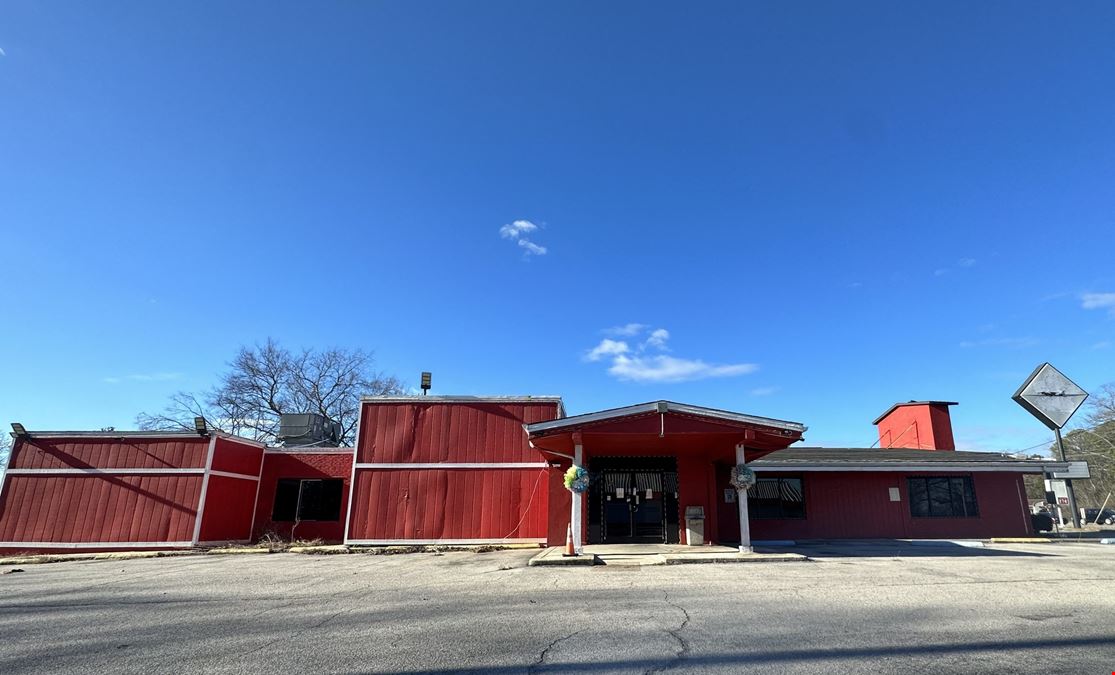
[[307, 499], [772, 498], [942, 497]]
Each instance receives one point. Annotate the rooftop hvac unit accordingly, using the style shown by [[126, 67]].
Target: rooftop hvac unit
[[308, 430]]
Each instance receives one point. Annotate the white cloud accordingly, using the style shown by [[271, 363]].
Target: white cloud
[[664, 368], [940, 272], [517, 232], [626, 330], [516, 229], [143, 377], [532, 247], [658, 339], [1098, 301], [1103, 344], [634, 365], [966, 262], [763, 391], [606, 348]]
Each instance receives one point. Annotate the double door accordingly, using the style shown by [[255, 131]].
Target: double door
[[633, 507]]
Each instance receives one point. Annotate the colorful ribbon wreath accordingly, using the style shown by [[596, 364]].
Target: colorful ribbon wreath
[[742, 477], [576, 479]]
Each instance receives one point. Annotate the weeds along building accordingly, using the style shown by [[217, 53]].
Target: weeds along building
[[469, 470]]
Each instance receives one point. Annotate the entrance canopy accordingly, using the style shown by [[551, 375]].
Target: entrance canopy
[[664, 427]]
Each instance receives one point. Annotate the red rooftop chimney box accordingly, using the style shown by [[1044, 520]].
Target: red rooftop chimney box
[[921, 425]]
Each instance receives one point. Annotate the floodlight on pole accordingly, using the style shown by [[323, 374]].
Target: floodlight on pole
[[19, 430], [200, 426], [426, 377]]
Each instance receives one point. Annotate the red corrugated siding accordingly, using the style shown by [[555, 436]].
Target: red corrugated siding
[[559, 502], [449, 432], [236, 457], [99, 508], [293, 464], [110, 453], [228, 509], [450, 504], [102, 508]]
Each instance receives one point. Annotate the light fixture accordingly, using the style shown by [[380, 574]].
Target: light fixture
[[200, 426], [19, 430], [426, 377]]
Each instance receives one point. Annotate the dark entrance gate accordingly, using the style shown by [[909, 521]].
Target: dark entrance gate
[[633, 500]]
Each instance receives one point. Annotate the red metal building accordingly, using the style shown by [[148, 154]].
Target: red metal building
[[450, 470], [86, 491], [456, 470]]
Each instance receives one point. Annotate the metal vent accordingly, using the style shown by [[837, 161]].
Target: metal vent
[[308, 430]]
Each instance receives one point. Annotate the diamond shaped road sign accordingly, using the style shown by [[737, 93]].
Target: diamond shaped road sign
[[1050, 396]]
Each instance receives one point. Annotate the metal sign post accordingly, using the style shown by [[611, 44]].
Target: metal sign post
[[1053, 398], [1068, 482]]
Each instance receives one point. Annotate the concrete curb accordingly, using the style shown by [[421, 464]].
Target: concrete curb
[[715, 559], [1021, 540], [552, 557], [105, 555], [338, 549], [439, 548], [237, 551]]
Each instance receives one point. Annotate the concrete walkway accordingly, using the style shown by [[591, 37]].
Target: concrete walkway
[[633, 555]]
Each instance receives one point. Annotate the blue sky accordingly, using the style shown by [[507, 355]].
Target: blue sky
[[802, 213]]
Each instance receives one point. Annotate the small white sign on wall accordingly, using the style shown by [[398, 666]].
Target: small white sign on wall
[[894, 495]]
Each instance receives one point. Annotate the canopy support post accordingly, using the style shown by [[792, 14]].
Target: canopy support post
[[741, 500], [577, 499]]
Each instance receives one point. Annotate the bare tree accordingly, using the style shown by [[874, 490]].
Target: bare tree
[[5, 450], [266, 381], [1101, 406], [1094, 442]]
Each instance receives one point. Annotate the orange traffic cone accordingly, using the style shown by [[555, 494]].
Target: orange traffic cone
[[569, 550]]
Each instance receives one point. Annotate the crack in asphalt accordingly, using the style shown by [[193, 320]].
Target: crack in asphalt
[[676, 634], [302, 631], [533, 668]]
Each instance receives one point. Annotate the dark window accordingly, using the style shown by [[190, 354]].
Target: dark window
[[942, 497], [307, 499], [776, 498]]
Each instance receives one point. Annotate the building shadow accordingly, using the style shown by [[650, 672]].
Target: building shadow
[[893, 548]]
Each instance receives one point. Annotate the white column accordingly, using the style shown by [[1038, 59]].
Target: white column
[[741, 500], [578, 500]]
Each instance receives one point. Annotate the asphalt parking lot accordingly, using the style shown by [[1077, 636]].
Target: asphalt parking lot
[[1032, 608]]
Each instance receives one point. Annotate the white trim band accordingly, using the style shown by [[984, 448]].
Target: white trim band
[[309, 451], [227, 474], [200, 512], [961, 467], [441, 542], [96, 544], [110, 472], [453, 465]]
